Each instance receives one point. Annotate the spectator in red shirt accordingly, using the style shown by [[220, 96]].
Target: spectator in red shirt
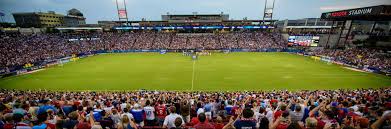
[[203, 124], [219, 123], [279, 112], [161, 111]]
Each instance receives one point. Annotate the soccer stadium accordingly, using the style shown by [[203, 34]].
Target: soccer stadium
[[104, 64]]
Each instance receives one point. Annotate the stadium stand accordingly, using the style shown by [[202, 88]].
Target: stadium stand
[[320, 109], [18, 49], [21, 49], [362, 57]]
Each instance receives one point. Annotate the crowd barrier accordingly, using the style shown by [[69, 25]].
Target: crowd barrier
[[17, 70]]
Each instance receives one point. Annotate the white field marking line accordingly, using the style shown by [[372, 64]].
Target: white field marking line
[[192, 78]]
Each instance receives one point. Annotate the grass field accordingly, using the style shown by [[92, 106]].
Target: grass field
[[172, 71]]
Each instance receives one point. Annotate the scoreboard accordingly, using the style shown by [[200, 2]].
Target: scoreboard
[[305, 41]]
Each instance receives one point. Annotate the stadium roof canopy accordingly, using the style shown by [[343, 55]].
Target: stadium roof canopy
[[372, 13]]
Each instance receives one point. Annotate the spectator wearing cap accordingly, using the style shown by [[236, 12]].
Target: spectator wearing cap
[[169, 121], [203, 124]]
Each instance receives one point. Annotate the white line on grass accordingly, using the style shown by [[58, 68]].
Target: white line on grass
[[192, 78]]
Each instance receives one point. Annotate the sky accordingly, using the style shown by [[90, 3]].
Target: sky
[[98, 10]]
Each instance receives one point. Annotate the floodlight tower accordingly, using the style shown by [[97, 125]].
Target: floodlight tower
[[122, 12], [268, 11]]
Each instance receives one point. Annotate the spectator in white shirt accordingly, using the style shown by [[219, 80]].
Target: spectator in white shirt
[[169, 121]]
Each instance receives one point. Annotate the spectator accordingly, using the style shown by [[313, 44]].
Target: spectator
[[178, 123], [150, 114], [161, 112], [219, 123], [325, 108], [169, 121], [247, 120], [126, 123], [203, 124], [9, 122], [127, 113], [138, 114], [296, 115], [19, 123], [185, 111]]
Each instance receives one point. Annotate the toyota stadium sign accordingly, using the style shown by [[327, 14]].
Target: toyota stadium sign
[[356, 13]]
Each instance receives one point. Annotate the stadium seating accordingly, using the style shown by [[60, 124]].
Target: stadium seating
[[360, 108], [22, 49]]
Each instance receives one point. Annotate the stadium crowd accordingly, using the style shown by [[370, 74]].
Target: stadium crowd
[[20, 49], [363, 57], [320, 109]]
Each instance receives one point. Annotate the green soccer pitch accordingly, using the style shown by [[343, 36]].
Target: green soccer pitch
[[218, 72]]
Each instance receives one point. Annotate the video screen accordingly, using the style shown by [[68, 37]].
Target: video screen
[[305, 41]]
